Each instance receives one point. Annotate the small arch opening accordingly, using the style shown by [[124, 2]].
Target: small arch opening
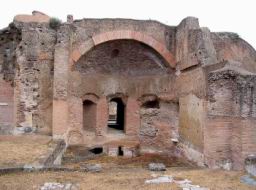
[[116, 114], [96, 150], [89, 115]]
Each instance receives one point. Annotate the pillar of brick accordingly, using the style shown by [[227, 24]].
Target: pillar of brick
[[60, 118], [6, 103], [102, 117], [60, 86], [132, 117], [75, 107]]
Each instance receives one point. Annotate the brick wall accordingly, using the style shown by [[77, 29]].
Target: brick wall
[[89, 115], [6, 103]]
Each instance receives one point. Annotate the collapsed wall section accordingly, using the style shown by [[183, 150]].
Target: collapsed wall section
[[26, 72], [10, 37], [229, 46], [230, 134], [159, 126], [216, 95], [34, 78]]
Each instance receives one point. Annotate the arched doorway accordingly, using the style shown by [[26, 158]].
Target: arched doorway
[[116, 114], [89, 115]]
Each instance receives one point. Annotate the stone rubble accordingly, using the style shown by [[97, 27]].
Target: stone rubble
[[156, 167], [91, 167], [59, 186], [184, 184], [161, 179]]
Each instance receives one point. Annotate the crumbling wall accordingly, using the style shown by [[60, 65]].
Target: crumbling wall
[[229, 134], [34, 78], [85, 29], [6, 107], [210, 111], [194, 51], [121, 67], [159, 126], [194, 46], [9, 39], [229, 46], [98, 76]]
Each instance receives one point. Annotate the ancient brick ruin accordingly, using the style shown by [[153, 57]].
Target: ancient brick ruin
[[130, 87]]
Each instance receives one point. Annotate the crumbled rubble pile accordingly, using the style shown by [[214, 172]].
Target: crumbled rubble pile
[[156, 167], [91, 167], [59, 186], [184, 184]]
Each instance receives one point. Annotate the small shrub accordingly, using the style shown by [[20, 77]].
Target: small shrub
[[54, 23]]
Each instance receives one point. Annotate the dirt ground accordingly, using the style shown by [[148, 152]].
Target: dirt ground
[[20, 150], [130, 178], [117, 173]]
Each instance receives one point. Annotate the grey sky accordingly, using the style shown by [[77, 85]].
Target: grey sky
[[218, 15]]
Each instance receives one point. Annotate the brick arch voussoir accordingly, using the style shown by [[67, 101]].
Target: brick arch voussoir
[[124, 35], [91, 97]]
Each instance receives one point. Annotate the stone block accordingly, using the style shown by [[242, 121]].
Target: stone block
[[156, 167]]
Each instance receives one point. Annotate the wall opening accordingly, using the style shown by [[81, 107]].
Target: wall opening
[[151, 104], [89, 115], [116, 114], [97, 150], [120, 151]]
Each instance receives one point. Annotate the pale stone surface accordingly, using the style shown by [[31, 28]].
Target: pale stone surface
[[184, 184], [156, 167], [161, 179], [91, 167], [59, 186]]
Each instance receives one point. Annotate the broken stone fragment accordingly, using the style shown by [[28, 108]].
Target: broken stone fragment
[[91, 167], [59, 186], [23, 129], [157, 167], [175, 140], [161, 179]]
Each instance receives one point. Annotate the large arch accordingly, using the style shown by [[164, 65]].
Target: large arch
[[123, 35]]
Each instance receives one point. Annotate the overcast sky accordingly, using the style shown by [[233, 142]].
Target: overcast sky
[[218, 15]]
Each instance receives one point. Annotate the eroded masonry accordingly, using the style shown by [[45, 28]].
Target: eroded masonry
[[128, 87]]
